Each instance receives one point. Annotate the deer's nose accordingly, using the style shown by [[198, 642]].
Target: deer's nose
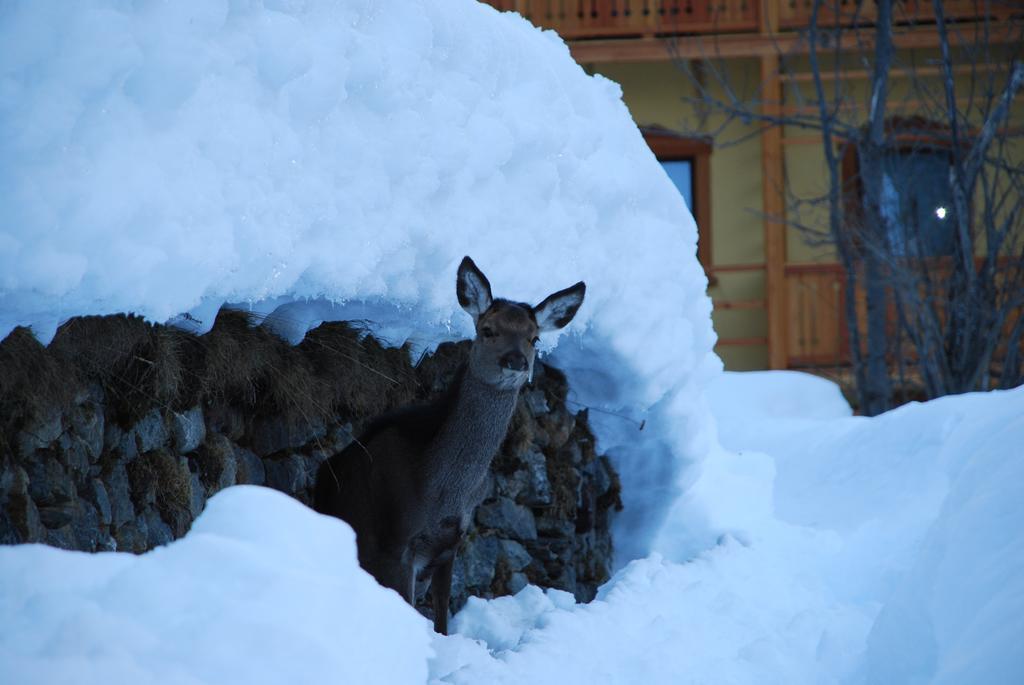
[[514, 361]]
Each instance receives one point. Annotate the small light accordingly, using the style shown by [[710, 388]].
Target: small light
[[940, 212]]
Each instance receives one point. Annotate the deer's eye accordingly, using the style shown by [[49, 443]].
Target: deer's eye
[[487, 332]]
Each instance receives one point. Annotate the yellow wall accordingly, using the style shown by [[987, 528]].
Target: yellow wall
[[654, 93]]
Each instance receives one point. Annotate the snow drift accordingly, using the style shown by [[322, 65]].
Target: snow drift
[[331, 160], [882, 550], [261, 587]]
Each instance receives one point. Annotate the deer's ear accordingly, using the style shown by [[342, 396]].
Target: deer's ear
[[473, 289], [558, 309]]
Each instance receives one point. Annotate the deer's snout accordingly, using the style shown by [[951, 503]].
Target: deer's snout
[[513, 361]]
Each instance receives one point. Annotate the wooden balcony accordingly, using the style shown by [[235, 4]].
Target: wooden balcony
[[796, 14], [588, 19], [577, 19]]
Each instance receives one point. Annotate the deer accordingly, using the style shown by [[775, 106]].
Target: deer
[[410, 483]]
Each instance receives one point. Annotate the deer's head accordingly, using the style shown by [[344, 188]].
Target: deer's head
[[506, 332]]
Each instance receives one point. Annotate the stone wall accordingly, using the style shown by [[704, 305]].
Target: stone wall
[[114, 436]]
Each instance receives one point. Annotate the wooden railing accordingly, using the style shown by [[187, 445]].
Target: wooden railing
[[816, 332], [796, 14], [580, 19], [574, 19]]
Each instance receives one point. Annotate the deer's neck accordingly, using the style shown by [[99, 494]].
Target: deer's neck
[[460, 456]]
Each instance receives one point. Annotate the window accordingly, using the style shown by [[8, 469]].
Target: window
[[687, 161], [915, 195], [918, 213]]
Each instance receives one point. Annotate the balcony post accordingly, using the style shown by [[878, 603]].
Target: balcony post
[[773, 198]]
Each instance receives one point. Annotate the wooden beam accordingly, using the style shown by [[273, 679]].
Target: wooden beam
[[768, 20], [739, 304], [896, 73], [735, 268], [728, 46], [741, 342], [774, 203]]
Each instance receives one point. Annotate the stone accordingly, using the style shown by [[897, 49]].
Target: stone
[[279, 433], [122, 510], [516, 582], [505, 516], [132, 536], [554, 526], [49, 484], [88, 425], [85, 526], [57, 515], [601, 479], [157, 532], [289, 475], [250, 469], [23, 513], [514, 554], [74, 453], [62, 537], [538, 490], [149, 433], [40, 433], [338, 438], [198, 501], [558, 425], [474, 565], [188, 430], [572, 453], [8, 532], [536, 402], [98, 494], [115, 440], [511, 485]]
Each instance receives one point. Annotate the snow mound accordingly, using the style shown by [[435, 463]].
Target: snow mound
[[335, 160], [775, 395], [261, 590], [882, 550]]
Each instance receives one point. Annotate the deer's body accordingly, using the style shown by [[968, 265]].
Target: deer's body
[[411, 482]]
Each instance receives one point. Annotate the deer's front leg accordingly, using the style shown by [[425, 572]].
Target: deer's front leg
[[441, 590], [394, 570]]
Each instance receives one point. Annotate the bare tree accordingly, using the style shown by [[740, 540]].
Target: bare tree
[[924, 212]]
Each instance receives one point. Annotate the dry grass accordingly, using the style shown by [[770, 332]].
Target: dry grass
[[337, 369], [361, 377], [32, 381], [137, 363]]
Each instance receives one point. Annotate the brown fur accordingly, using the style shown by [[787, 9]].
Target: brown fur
[[411, 482]]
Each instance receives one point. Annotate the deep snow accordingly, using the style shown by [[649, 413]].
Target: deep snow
[[312, 160], [336, 160], [261, 590], [882, 550]]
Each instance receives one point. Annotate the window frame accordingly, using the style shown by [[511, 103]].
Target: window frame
[[669, 146]]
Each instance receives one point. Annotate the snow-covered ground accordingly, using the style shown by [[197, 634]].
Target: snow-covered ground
[[313, 160], [884, 550]]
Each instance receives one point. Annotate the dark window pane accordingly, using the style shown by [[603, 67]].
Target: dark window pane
[[918, 203]]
